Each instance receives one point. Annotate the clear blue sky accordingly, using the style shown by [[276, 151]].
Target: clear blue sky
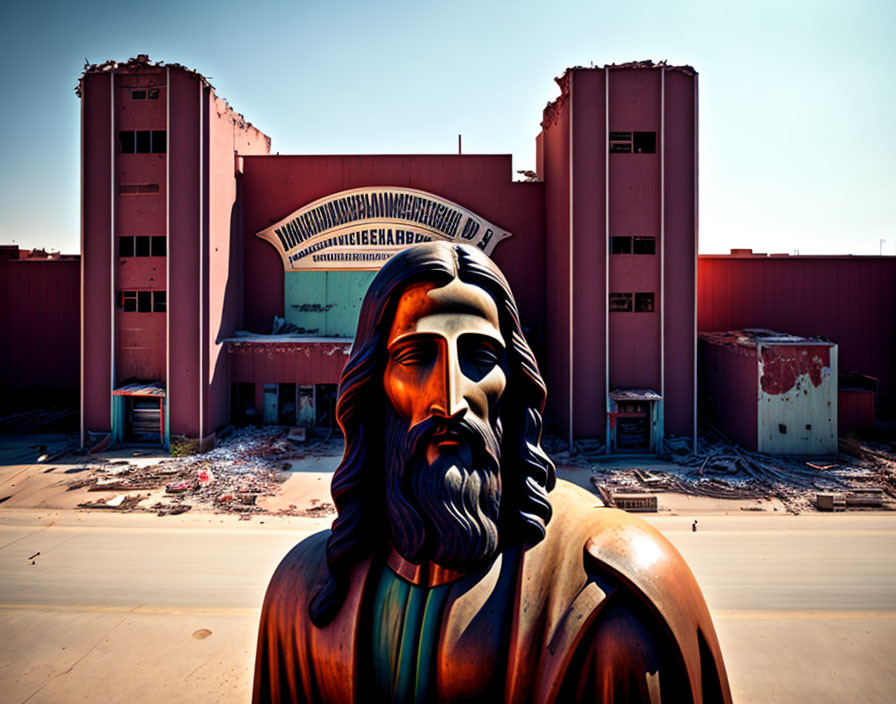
[[797, 99]]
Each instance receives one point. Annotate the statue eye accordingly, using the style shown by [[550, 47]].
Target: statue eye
[[478, 356], [419, 353]]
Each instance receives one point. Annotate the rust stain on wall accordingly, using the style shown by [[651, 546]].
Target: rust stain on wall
[[783, 365]]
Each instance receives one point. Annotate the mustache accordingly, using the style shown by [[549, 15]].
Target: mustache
[[466, 430]]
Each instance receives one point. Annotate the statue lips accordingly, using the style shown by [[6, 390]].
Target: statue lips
[[439, 435], [448, 441]]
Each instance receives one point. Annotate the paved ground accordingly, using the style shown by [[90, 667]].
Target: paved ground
[[136, 607], [146, 609]]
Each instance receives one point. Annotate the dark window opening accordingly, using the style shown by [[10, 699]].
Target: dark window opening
[[620, 142], [145, 94], [620, 303], [643, 303], [325, 405], [126, 142], [620, 245], [644, 245], [286, 404], [242, 404], [137, 189], [142, 301], [782, 429], [142, 246], [158, 246], [129, 301], [143, 142], [644, 143]]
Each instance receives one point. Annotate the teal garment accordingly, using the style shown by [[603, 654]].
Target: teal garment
[[405, 636]]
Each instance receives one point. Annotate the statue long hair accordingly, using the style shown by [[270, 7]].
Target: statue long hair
[[358, 486]]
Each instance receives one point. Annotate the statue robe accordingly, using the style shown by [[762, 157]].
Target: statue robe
[[603, 609]]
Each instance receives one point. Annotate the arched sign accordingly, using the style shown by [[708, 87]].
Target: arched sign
[[363, 227]]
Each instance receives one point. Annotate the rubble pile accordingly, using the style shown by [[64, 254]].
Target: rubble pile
[[722, 470], [250, 463]]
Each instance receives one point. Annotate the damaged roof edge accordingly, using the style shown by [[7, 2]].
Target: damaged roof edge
[[552, 109], [142, 61]]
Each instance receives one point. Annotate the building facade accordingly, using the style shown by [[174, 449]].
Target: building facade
[[618, 157], [159, 239], [222, 284]]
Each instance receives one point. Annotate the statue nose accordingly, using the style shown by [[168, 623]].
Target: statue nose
[[448, 399]]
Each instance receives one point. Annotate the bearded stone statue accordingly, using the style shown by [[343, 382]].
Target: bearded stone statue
[[459, 568]]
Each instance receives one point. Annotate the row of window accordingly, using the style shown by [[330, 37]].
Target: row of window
[[142, 141], [141, 246], [142, 301], [633, 142], [622, 302], [145, 94], [632, 244]]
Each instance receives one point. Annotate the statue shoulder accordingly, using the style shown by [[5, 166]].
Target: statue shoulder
[[615, 541], [635, 556], [300, 572]]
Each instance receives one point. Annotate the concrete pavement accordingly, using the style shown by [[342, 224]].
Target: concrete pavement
[[145, 609]]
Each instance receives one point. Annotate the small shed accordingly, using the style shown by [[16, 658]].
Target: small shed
[[770, 391]]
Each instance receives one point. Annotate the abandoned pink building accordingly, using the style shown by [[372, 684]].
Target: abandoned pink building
[[221, 284]]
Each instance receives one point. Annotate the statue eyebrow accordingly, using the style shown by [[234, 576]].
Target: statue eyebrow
[[429, 334]]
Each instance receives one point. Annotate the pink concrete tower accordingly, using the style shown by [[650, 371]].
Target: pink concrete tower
[[160, 245], [618, 155]]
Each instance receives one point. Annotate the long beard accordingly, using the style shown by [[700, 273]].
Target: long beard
[[447, 511]]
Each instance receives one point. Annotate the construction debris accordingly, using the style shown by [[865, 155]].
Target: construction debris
[[122, 502], [863, 474], [249, 464]]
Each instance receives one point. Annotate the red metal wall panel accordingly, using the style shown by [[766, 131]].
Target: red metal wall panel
[[849, 300], [855, 411], [140, 346], [40, 323], [729, 390], [589, 254], [184, 384], [97, 247], [557, 271], [680, 253]]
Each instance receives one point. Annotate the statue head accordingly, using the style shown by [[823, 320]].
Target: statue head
[[440, 403]]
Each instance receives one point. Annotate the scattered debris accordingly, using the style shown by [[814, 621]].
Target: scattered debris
[[162, 509], [863, 473], [122, 502], [250, 463]]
